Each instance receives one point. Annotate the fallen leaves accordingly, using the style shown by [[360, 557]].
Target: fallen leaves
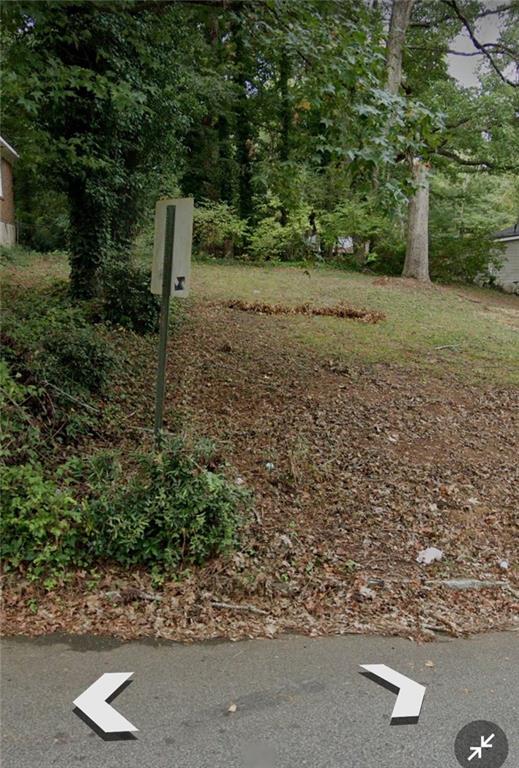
[[339, 516], [340, 310]]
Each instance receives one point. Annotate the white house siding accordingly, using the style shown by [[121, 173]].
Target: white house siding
[[7, 233], [508, 275]]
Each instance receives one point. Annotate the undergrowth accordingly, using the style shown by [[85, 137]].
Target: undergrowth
[[56, 375]]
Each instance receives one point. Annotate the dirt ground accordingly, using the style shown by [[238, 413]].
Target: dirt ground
[[355, 469]]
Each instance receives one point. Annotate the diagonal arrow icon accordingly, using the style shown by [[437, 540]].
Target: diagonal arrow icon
[[410, 693], [478, 751], [93, 703]]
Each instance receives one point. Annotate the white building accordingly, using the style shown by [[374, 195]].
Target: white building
[[507, 277]]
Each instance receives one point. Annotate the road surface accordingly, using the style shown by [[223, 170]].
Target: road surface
[[294, 702]]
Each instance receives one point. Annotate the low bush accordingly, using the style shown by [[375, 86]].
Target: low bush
[[19, 431], [217, 229], [464, 257], [127, 299], [52, 347], [40, 524], [177, 509], [292, 242], [54, 343]]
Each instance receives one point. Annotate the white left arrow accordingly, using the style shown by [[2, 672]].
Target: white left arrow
[[93, 704], [410, 693]]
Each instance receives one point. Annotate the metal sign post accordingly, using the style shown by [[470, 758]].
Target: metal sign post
[[170, 276], [164, 321]]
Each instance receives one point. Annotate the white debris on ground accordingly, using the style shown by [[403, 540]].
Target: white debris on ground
[[429, 555]]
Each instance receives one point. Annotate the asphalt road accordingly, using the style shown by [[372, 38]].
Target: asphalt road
[[298, 702]]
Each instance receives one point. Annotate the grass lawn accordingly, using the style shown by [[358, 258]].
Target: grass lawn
[[478, 327]]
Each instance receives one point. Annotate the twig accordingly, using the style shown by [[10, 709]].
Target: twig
[[448, 346], [71, 397], [241, 607]]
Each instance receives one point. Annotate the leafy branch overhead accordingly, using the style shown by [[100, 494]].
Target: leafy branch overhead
[[283, 114]]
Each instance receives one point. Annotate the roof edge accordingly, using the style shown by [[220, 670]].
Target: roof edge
[[8, 151]]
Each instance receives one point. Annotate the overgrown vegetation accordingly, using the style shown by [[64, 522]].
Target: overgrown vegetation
[[178, 509], [126, 298], [60, 513]]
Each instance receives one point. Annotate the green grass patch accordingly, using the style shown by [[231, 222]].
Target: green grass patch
[[477, 328]]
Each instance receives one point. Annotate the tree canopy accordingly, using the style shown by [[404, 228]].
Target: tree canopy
[[275, 113]]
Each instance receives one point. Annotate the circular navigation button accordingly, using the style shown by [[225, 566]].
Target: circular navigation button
[[481, 744]]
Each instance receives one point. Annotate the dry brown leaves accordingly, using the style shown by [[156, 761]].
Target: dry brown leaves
[[340, 310], [355, 470]]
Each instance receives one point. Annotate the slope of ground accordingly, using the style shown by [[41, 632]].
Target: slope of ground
[[364, 444]]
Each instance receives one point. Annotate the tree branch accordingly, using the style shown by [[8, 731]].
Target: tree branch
[[485, 165], [476, 43]]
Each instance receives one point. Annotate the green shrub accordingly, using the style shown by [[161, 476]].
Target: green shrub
[[53, 342], [217, 229], [387, 252], [271, 240], [76, 357], [127, 299], [19, 433], [40, 524], [464, 257], [177, 509]]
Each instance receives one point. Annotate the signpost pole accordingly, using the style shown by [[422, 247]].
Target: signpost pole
[[164, 322]]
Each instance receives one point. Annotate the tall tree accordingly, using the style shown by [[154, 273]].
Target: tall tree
[[99, 82]]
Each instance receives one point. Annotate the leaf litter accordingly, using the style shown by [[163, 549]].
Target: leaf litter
[[341, 516]]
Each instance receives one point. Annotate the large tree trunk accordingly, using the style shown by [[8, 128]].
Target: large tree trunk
[[285, 120], [244, 140], [398, 25], [417, 251], [400, 17]]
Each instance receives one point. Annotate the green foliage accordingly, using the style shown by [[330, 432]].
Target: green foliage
[[217, 229], [42, 217], [465, 257], [353, 217], [127, 299], [19, 432], [39, 524], [54, 343], [271, 240], [178, 509], [67, 362], [388, 251], [465, 211], [97, 96], [264, 109]]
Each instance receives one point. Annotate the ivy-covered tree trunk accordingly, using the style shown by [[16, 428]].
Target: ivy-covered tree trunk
[[417, 251], [89, 239]]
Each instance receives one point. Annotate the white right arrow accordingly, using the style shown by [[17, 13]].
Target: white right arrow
[[410, 694], [93, 704]]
